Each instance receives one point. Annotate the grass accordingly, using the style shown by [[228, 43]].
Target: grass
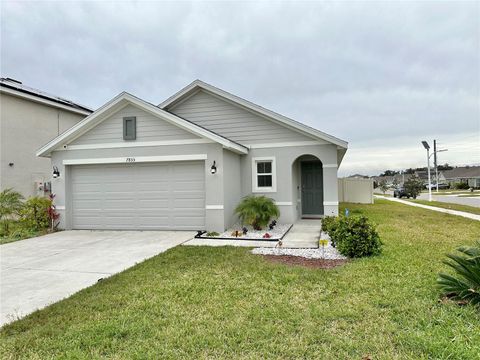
[[451, 206], [201, 302]]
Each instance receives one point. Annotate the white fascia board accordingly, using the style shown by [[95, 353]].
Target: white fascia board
[[135, 159], [261, 110], [43, 101], [96, 117]]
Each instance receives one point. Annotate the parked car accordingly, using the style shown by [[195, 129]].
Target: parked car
[[440, 186], [400, 192]]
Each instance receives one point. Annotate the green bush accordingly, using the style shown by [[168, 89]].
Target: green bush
[[34, 214], [329, 224], [466, 285], [355, 237], [413, 186], [257, 211], [461, 186]]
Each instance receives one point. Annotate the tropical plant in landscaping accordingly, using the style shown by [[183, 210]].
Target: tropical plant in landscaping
[[257, 211], [35, 213], [465, 285], [11, 203]]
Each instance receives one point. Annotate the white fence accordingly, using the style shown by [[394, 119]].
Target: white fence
[[355, 190]]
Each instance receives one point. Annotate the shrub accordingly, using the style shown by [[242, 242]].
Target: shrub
[[413, 186], [355, 236], [35, 213], [10, 206], [461, 186], [329, 224], [466, 285], [257, 211], [212, 234]]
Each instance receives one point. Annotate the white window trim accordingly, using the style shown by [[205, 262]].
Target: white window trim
[[255, 188]]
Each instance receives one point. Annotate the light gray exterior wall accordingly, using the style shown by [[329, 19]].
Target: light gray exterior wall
[[233, 121], [287, 174], [232, 185], [149, 128], [25, 126]]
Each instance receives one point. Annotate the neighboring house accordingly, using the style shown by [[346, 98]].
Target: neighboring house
[[187, 163], [423, 175], [28, 119], [358, 176], [465, 174]]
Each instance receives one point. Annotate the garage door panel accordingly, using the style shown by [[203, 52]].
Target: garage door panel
[[139, 196]]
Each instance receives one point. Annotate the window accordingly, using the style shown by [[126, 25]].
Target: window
[[129, 128], [264, 175]]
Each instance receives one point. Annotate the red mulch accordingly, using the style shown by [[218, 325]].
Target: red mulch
[[301, 261]]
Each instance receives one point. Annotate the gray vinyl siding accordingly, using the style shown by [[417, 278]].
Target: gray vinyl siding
[[233, 121], [149, 128]]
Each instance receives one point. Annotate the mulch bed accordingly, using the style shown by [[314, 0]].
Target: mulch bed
[[301, 261]]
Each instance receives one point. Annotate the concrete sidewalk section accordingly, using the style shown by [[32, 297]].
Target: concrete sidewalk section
[[39, 271], [434, 208]]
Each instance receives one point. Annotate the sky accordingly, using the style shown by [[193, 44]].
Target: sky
[[381, 75]]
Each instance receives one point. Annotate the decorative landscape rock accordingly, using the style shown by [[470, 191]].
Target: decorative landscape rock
[[329, 252]]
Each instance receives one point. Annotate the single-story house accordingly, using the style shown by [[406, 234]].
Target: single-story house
[[464, 174], [186, 163]]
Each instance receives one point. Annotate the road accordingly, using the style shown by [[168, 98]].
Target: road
[[470, 201]]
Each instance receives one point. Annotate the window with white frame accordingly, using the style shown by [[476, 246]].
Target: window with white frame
[[264, 175]]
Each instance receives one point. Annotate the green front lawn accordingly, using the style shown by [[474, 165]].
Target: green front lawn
[[451, 206], [202, 302]]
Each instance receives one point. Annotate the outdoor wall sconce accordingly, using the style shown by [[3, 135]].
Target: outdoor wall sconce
[[56, 173], [213, 169], [11, 164]]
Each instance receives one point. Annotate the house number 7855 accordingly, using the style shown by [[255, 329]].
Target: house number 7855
[[130, 159]]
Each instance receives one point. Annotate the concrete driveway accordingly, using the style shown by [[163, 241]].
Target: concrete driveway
[[39, 271]]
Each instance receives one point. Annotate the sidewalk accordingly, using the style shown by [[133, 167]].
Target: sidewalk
[[434, 208]]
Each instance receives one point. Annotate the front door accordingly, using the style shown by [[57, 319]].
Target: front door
[[312, 188]]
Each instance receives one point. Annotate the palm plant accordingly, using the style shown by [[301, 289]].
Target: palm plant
[[257, 211], [466, 286], [10, 205]]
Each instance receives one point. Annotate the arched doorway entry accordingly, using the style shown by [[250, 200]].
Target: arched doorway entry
[[307, 171]]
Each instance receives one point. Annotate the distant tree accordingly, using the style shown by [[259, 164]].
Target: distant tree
[[413, 186], [389, 173], [410, 171], [444, 167], [395, 182], [383, 186]]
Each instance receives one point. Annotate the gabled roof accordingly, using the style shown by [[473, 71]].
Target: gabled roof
[[16, 88], [198, 84], [462, 172], [119, 102]]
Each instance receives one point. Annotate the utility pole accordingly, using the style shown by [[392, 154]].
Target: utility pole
[[435, 161], [427, 147]]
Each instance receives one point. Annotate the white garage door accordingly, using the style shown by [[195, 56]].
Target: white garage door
[[153, 196]]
